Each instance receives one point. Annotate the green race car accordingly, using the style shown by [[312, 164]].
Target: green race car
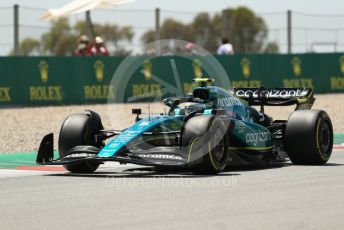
[[205, 132]]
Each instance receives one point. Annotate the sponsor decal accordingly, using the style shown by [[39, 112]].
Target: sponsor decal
[[144, 123], [301, 82], [337, 82], [43, 70], [161, 156], [197, 68], [98, 92], [245, 65], [132, 132], [113, 145], [5, 94], [147, 90], [274, 93], [45, 93], [99, 70], [293, 82], [341, 64], [240, 127], [246, 72], [147, 70], [246, 84], [254, 138], [296, 62], [228, 101], [77, 155]]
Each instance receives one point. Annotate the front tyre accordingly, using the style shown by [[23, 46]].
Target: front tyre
[[309, 137], [207, 140], [79, 129]]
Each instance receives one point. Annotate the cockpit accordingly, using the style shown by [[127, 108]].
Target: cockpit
[[201, 93], [186, 108]]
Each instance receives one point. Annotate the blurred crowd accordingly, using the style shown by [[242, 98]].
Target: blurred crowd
[[225, 48], [96, 47], [86, 47]]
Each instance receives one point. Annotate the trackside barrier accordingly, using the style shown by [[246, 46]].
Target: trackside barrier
[[32, 81]]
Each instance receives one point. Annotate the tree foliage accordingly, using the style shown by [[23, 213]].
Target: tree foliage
[[245, 30], [62, 38], [271, 48], [29, 46]]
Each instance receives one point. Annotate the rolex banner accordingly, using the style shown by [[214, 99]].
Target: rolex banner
[[80, 80]]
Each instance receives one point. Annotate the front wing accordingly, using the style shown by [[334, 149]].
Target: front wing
[[157, 156]]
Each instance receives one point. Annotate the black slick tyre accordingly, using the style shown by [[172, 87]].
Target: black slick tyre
[[79, 129], [207, 140], [309, 137]]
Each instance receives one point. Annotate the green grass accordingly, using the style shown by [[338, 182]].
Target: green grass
[[12, 160], [338, 138]]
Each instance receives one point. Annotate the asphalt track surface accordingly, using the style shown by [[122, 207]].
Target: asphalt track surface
[[134, 197]]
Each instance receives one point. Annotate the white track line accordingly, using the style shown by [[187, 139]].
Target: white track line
[[6, 173]]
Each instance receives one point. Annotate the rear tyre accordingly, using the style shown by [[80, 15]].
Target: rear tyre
[[79, 129], [309, 137], [207, 140]]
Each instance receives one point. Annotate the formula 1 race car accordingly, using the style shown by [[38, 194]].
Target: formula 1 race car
[[206, 131]]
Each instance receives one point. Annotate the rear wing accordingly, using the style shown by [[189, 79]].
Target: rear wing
[[301, 97]]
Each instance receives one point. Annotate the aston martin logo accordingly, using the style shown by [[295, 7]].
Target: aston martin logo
[[246, 67], [197, 68], [43, 70], [296, 62], [99, 70], [341, 62]]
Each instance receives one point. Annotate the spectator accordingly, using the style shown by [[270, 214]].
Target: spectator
[[226, 48], [190, 49], [166, 51], [98, 49], [83, 46], [81, 50]]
